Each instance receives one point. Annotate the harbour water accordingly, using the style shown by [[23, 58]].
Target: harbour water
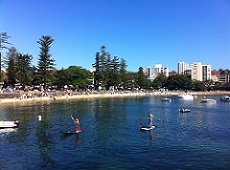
[[111, 138]]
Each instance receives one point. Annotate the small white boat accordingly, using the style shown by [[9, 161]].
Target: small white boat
[[225, 99], [184, 110], [187, 97], [166, 99], [208, 100], [9, 124]]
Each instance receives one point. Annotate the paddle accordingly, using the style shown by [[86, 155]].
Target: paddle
[[72, 117]]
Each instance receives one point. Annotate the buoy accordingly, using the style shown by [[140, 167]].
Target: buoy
[[39, 117]]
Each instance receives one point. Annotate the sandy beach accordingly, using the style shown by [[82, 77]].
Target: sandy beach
[[90, 95]]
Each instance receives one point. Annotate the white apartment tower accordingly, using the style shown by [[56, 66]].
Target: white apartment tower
[[159, 69], [182, 67], [196, 71], [152, 73], [200, 72], [206, 72]]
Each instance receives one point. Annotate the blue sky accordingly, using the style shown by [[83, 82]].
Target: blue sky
[[143, 32]]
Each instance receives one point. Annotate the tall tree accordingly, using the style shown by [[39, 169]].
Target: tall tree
[[97, 76], [115, 68], [45, 62], [104, 60], [108, 71], [123, 72], [24, 68], [101, 68], [36, 77], [140, 77], [3, 41], [10, 64]]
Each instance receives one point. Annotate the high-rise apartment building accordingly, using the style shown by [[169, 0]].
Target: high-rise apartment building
[[200, 72], [152, 73], [224, 77], [182, 67], [206, 72], [159, 69], [196, 71]]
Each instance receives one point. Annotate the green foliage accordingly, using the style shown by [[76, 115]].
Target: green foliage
[[179, 82], [74, 75], [130, 80], [142, 81], [11, 72], [45, 63], [10, 63], [108, 71], [24, 69], [3, 42], [159, 81], [198, 86], [123, 72], [18, 68], [226, 86]]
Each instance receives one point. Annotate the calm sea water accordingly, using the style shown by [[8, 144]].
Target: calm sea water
[[111, 138]]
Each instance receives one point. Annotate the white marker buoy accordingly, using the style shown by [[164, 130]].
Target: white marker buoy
[[39, 117]]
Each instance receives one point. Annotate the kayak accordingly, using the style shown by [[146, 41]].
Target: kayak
[[144, 128]]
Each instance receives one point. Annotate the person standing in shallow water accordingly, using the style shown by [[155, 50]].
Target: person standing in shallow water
[[150, 116], [77, 122]]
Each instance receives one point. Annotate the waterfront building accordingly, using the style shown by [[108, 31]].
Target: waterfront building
[[196, 71], [206, 72], [153, 72], [200, 72], [150, 73], [224, 76], [182, 67]]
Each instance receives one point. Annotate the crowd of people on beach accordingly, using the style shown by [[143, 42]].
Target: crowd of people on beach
[[31, 94], [26, 93]]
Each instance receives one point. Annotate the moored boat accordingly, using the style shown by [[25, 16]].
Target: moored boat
[[9, 124], [205, 100], [186, 97], [225, 99], [184, 110], [166, 99]]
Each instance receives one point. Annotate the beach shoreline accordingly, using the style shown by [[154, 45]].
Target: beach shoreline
[[88, 95]]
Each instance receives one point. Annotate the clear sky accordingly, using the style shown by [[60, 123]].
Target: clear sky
[[143, 32]]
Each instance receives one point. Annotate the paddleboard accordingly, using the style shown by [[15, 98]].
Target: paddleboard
[[73, 132], [147, 128]]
